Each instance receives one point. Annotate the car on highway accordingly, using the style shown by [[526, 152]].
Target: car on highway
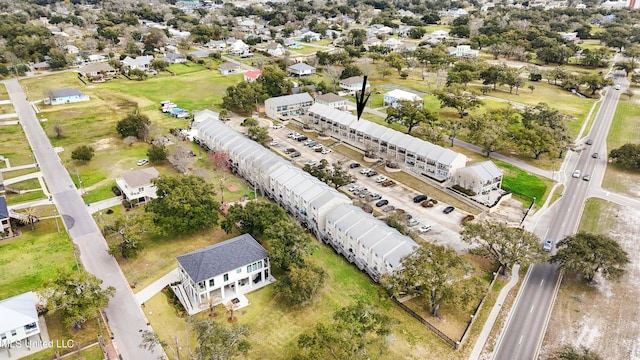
[[412, 222], [589, 141], [382, 203], [354, 165], [274, 143], [371, 173], [365, 171], [142, 162], [295, 154], [618, 86], [419, 198], [448, 209], [586, 177], [576, 174], [380, 179], [424, 228], [595, 155], [548, 245]]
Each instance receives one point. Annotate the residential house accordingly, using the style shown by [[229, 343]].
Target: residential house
[[333, 100], [41, 66], [216, 45], [464, 51], [275, 49], [438, 36], [137, 185], [97, 71], [247, 25], [71, 49], [310, 36], [229, 68], [392, 43], [141, 62], [311, 89], [392, 97], [252, 75], [66, 96], [371, 41], [301, 69], [222, 273], [5, 219], [479, 178], [352, 84], [288, 106], [174, 58], [92, 58], [1, 180], [238, 48], [200, 54], [291, 43], [19, 320], [572, 36]]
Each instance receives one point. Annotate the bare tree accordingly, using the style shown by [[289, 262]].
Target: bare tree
[[179, 157], [58, 130], [130, 140], [333, 73]]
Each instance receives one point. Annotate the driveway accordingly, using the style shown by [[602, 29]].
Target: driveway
[[125, 318]]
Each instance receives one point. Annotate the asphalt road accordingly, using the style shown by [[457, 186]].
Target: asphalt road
[[126, 319], [523, 335]]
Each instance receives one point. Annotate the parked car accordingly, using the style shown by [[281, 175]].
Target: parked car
[[412, 222], [382, 203], [302, 138], [142, 162], [389, 183], [389, 208], [353, 188], [372, 173], [380, 179], [274, 143], [365, 171], [363, 194], [307, 142], [595, 155], [295, 154], [289, 151], [448, 209], [586, 177], [420, 198], [376, 196], [278, 126], [311, 163], [424, 228], [325, 151], [548, 245], [576, 174], [354, 165]]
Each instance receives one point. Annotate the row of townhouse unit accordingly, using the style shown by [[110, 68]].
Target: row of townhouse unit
[[411, 153], [315, 204]]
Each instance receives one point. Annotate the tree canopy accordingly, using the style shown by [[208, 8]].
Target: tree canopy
[[589, 254], [82, 153], [134, 125], [503, 244], [627, 156], [569, 352], [78, 296], [184, 205], [411, 114]]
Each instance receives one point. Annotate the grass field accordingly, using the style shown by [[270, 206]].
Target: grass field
[[524, 186], [14, 146], [624, 129], [29, 260], [274, 328], [7, 109], [4, 95]]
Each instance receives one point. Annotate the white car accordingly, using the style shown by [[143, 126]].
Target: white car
[[142, 162], [424, 228], [380, 179], [325, 151], [278, 126], [576, 174], [274, 143], [311, 163], [365, 171]]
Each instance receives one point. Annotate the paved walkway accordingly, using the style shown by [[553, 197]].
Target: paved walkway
[[20, 178], [93, 208], [493, 316], [12, 168], [157, 286]]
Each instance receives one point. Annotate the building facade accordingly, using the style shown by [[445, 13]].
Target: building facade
[[288, 106]]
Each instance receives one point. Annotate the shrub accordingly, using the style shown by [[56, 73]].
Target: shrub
[[463, 190], [82, 153], [116, 191]]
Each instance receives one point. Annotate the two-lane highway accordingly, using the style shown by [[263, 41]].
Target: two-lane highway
[[523, 335]]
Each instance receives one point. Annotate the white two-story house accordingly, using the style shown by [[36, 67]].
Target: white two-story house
[[222, 273], [137, 185], [19, 319]]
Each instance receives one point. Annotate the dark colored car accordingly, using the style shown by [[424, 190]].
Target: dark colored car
[[448, 209], [382, 203], [419, 198], [372, 173], [595, 155], [289, 151], [354, 165], [302, 138], [589, 142]]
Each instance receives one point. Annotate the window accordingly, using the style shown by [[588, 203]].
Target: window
[[14, 332], [225, 277], [30, 326], [255, 266], [238, 271], [3, 337], [211, 283], [260, 264], [248, 268]]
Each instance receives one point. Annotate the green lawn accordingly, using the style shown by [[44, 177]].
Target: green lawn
[[590, 44], [599, 216], [523, 185], [4, 95], [29, 260], [14, 146], [624, 129], [27, 196], [274, 328], [7, 109]]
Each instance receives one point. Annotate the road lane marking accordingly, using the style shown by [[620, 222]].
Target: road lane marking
[[521, 337], [530, 311], [541, 282]]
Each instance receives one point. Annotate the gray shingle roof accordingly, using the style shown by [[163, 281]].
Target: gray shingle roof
[[220, 258], [301, 67], [4, 212], [65, 93]]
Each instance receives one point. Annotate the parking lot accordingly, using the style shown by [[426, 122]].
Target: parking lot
[[445, 228]]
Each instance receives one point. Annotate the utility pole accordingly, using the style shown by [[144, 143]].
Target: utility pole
[[55, 216], [79, 182]]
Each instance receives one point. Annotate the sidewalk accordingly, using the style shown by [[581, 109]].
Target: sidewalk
[[157, 286], [493, 316], [93, 208]]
